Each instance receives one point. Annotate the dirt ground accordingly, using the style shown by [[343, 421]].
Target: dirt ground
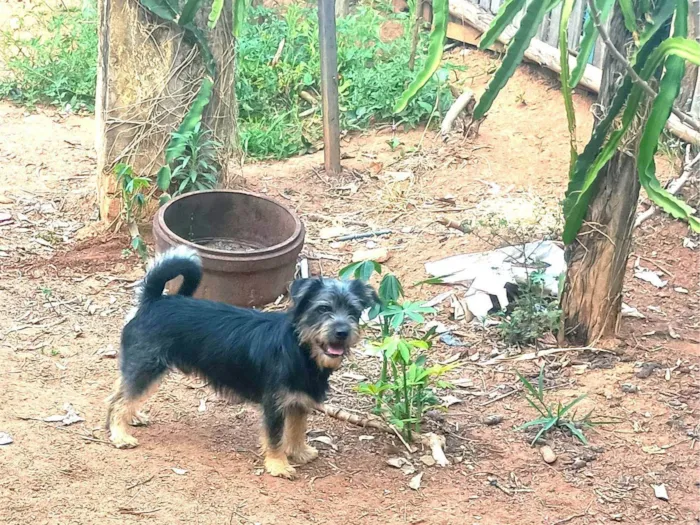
[[66, 284]]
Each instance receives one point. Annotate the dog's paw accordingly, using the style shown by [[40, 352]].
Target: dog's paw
[[279, 468], [140, 420], [303, 455], [123, 440]]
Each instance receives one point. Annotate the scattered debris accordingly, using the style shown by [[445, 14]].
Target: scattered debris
[[427, 460], [355, 236], [646, 370], [680, 289], [179, 471], [332, 232], [354, 377], [630, 311], [629, 388], [401, 463], [380, 255], [451, 340], [436, 443], [492, 420], [688, 243], [579, 464], [489, 272], [5, 439], [548, 454], [660, 492], [648, 276], [325, 440], [653, 450], [304, 269], [108, 353], [366, 438], [202, 405], [673, 333], [449, 400], [415, 481], [69, 418]]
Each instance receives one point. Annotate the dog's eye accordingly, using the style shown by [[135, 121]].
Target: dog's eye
[[324, 309]]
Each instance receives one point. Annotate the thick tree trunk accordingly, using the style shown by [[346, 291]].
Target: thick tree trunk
[[598, 258], [148, 75]]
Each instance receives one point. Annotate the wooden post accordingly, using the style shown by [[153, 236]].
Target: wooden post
[[329, 86]]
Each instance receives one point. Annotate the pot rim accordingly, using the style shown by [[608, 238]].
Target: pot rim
[[218, 254]]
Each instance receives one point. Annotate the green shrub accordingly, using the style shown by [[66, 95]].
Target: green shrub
[[372, 76], [57, 64]]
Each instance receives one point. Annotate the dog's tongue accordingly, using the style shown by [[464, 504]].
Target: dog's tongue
[[335, 350]]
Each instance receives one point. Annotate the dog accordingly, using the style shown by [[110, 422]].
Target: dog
[[281, 361]]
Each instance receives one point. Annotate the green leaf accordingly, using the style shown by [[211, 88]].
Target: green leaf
[[215, 13], [576, 432], [566, 408], [669, 88], [506, 13], [534, 14], [438, 34], [404, 351], [165, 197], [566, 81], [362, 270], [540, 384], [177, 144], [164, 178], [390, 289], [533, 423], [161, 8], [239, 9], [584, 174], [590, 34], [629, 15], [188, 12], [659, 18]]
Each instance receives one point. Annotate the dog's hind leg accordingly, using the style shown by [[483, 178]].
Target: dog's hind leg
[[276, 462], [123, 410], [295, 437]]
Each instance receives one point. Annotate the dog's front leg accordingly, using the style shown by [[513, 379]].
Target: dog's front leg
[[276, 462], [295, 437]]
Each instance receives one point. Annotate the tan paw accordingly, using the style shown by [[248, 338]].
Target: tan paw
[[121, 440], [279, 468], [139, 420], [304, 455]]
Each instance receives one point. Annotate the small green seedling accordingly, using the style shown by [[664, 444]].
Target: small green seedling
[[553, 416]]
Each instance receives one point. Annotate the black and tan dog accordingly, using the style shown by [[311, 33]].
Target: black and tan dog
[[280, 360]]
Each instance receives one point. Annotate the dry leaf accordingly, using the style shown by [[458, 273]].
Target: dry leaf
[[325, 440], [5, 438], [415, 481], [179, 471], [660, 492]]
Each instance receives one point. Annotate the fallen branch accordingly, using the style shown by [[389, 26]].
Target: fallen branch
[[464, 100], [434, 442], [674, 187], [450, 224]]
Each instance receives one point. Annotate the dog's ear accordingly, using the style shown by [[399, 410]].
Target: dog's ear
[[302, 289], [364, 292]]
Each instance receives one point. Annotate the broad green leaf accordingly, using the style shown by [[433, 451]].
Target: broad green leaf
[[188, 13], [438, 34], [239, 8], [566, 81], [566, 408], [664, 11], [404, 351], [506, 13], [177, 146], [362, 270], [534, 14], [161, 8], [590, 34], [390, 289], [669, 88], [163, 179], [216, 8], [629, 15]]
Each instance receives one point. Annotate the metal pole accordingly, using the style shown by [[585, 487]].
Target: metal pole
[[329, 86]]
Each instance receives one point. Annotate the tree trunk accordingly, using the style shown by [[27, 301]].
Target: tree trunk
[[148, 75], [597, 260], [689, 99]]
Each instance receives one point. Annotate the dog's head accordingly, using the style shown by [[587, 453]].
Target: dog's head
[[327, 313]]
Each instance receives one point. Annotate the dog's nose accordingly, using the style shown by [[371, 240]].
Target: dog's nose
[[341, 333]]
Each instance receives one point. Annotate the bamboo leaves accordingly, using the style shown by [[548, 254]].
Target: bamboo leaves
[[432, 62]]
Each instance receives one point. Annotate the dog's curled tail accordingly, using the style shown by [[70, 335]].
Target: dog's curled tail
[[181, 260]]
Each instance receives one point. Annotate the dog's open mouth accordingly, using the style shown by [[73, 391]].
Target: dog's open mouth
[[334, 350]]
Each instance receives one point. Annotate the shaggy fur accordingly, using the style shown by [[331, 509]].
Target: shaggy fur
[[279, 360]]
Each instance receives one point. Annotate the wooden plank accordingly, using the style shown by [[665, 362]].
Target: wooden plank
[[329, 86], [554, 21], [495, 6], [576, 25], [457, 30]]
